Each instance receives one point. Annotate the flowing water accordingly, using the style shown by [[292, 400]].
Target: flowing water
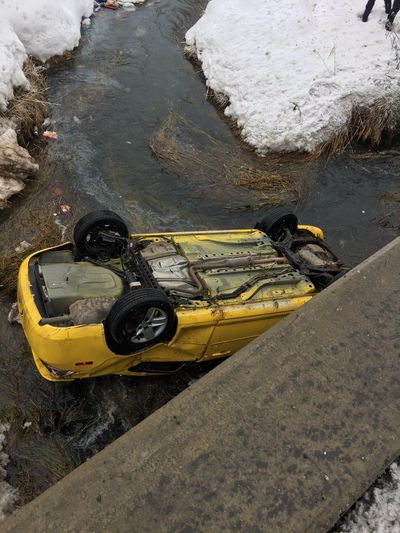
[[108, 101]]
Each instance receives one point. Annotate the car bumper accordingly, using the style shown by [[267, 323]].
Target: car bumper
[[61, 348]]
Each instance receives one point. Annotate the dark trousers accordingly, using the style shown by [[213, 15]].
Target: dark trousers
[[370, 5], [395, 9]]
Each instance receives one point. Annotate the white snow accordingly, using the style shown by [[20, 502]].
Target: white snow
[[294, 70], [40, 28], [8, 495], [380, 516]]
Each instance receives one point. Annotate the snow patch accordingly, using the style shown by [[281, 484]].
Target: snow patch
[[8, 495], [380, 516], [42, 29], [294, 70]]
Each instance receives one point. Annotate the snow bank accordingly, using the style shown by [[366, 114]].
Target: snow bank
[[8, 494], [38, 28], [41, 28], [380, 516], [294, 70]]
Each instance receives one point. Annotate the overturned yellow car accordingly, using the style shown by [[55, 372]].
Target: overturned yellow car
[[116, 303]]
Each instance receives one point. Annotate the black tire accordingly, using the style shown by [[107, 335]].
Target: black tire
[[276, 222], [126, 319], [89, 243]]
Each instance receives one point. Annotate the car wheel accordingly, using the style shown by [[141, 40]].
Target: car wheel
[[277, 222], [89, 238], [141, 318]]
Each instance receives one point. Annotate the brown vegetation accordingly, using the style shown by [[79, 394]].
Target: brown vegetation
[[366, 125], [42, 461], [188, 151], [28, 107], [44, 234]]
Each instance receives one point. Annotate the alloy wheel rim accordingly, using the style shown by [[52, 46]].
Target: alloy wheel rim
[[153, 324]]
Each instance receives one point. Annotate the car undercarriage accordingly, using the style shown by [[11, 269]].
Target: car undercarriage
[[185, 296], [210, 270]]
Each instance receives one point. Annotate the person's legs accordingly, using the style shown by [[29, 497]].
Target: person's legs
[[368, 9], [388, 6], [392, 14]]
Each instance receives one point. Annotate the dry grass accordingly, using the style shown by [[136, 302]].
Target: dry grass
[[188, 151], [28, 107], [41, 461], [45, 234], [366, 125], [68, 55], [392, 197]]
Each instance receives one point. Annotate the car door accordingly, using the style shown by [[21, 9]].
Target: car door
[[239, 324]]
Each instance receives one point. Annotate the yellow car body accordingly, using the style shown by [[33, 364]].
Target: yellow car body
[[204, 331]]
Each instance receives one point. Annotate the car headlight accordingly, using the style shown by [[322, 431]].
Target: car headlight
[[58, 372]]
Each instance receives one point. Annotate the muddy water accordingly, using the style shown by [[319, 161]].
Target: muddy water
[[107, 103]]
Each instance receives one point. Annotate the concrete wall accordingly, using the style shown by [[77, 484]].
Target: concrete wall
[[284, 436]]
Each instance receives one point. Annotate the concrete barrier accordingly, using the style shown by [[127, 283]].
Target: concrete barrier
[[284, 436]]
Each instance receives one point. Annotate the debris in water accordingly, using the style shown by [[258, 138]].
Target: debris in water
[[86, 22], [56, 191], [26, 425], [13, 315], [50, 134], [65, 208], [76, 120], [22, 246], [128, 5], [62, 227]]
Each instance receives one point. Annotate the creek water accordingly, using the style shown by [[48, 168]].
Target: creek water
[[108, 101]]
